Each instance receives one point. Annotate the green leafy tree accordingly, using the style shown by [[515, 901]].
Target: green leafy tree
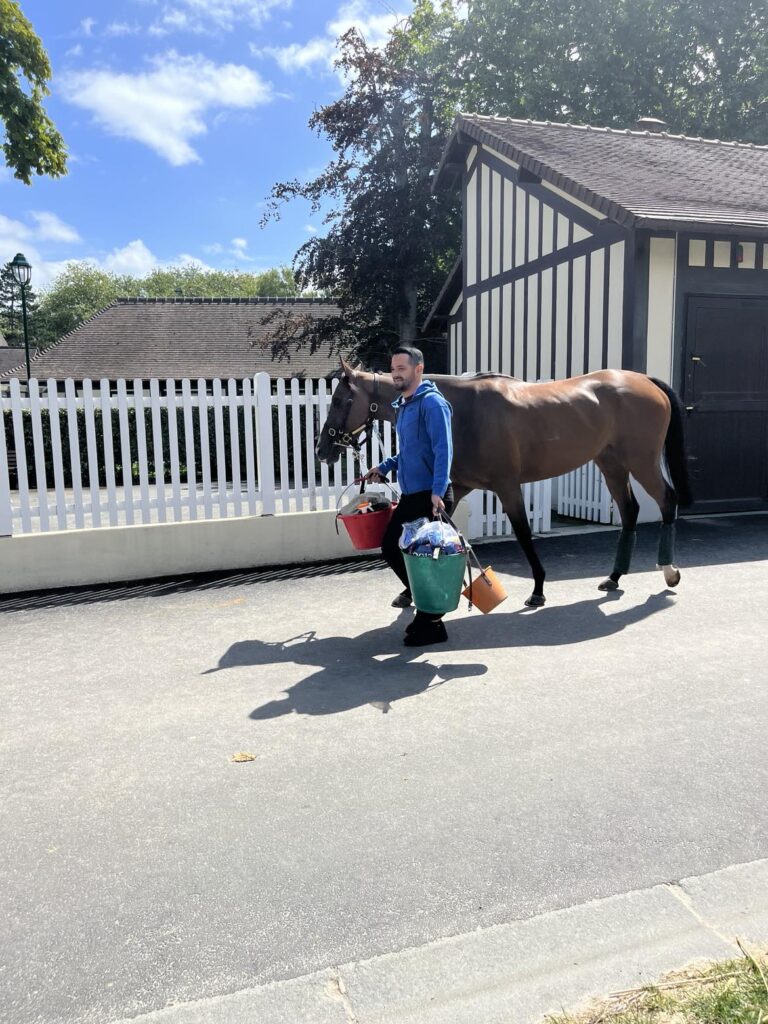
[[389, 240], [76, 294], [11, 325], [32, 145], [699, 65]]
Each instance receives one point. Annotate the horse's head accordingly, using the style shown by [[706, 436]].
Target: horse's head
[[349, 411]]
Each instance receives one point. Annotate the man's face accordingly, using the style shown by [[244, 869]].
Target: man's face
[[404, 373]]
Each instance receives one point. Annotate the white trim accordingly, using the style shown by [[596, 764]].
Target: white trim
[[697, 252], [596, 288], [662, 264], [749, 250], [471, 216], [722, 255], [577, 319], [500, 156], [615, 305], [485, 218], [576, 202]]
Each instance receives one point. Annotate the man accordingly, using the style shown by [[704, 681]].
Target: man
[[423, 465]]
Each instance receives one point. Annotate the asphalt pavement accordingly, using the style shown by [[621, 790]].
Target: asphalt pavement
[[414, 824]]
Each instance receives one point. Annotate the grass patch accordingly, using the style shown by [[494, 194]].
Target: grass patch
[[728, 992]]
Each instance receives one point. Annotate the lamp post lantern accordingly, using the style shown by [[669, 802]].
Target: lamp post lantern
[[22, 274]]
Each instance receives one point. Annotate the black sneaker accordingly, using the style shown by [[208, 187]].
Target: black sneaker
[[418, 621], [402, 600], [426, 633]]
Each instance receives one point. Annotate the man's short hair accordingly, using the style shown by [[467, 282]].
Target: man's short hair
[[414, 354]]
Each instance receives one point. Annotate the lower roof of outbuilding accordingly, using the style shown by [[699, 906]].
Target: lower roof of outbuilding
[[185, 338]]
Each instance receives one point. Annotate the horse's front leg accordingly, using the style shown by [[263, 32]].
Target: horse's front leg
[[512, 501]]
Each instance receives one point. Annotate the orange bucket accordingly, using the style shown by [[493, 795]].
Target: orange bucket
[[485, 592]]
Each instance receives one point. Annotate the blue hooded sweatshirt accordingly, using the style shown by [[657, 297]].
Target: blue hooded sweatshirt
[[424, 442]]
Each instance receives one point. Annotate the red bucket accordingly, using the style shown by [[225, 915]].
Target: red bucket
[[366, 529]]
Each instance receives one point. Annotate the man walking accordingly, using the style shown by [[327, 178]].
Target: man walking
[[423, 465]]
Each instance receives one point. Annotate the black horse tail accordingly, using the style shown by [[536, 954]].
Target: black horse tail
[[674, 447]]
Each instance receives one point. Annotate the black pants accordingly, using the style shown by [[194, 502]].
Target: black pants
[[410, 507]]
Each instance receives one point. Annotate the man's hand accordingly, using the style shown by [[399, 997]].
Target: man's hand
[[373, 476], [438, 505]]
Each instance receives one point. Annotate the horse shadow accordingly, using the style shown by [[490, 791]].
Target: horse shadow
[[350, 673], [373, 668]]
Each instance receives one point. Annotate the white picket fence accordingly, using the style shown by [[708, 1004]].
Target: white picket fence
[[583, 494], [201, 450]]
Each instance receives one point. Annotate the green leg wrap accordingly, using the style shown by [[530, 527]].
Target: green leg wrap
[[666, 545], [624, 551]]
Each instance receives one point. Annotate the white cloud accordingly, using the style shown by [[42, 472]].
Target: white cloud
[[236, 249], [121, 28], [165, 107], [206, 15], [137, 260], [134, 259], [51, 228], [310, 229], [75, 51], [320, 51], [18, 237], [86, 26]]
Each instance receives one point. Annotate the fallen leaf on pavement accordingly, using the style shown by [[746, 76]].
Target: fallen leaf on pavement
[[243, 755]]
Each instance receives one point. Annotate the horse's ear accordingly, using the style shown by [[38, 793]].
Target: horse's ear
[[346, 369]]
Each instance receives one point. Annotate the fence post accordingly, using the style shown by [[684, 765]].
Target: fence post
[[475, 502], [6, 514], [546, 505], [265, 449]]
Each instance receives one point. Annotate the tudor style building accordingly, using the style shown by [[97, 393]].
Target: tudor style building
[[586, 248]]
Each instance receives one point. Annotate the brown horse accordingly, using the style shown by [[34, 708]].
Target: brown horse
[[507, 433]]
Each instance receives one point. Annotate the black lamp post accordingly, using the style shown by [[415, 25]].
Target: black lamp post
[[22, 274]]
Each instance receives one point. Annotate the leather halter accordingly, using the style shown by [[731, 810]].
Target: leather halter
[[349, 438]]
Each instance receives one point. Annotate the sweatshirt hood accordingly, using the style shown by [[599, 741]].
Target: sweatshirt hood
[[425, 388]]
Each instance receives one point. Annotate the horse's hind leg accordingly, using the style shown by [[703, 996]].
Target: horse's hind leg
[[617, 479], [648, 473], [512, 501]]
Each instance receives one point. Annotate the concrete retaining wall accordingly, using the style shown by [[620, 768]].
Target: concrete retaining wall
[[70, 558]]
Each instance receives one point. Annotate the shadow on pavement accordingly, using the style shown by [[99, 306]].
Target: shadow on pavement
[[374, 668]]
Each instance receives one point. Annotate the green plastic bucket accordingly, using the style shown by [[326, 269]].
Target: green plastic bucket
[[436, 583]]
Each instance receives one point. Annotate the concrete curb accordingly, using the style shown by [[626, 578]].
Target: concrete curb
[[515, 973]]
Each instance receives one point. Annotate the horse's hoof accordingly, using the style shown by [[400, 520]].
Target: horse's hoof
[[671, 574], [608, 584], [535, 601]]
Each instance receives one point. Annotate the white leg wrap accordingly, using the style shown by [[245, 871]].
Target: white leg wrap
[[671, 574]]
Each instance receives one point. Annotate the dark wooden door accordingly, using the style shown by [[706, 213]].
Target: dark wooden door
[[726, 393]]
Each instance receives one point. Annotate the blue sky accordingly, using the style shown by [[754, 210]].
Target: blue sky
[[179, 115]]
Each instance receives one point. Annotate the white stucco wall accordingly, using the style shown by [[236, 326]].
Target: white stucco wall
[[70, 558], [661, 307]]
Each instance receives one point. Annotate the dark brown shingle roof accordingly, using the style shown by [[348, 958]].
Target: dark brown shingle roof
[[180, 338], [636, 178], [10, 358]]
